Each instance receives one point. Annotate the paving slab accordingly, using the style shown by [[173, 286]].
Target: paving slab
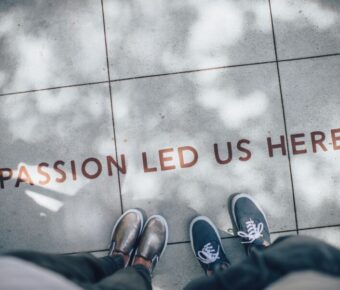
[[161, 36], [199, 110], [50, 43], [66, 210], [311, 97], [306, 28], [330, 234]]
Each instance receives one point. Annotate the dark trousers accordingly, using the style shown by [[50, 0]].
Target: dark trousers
[[263, 267], [89, 272]]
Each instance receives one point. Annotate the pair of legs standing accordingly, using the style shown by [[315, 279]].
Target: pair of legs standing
[[136, 247], [89, 272], [266, 262]]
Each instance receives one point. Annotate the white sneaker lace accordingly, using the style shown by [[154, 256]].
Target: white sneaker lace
[[208, 254], [254, 232]]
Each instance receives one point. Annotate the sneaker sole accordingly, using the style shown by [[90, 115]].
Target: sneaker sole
[[206, 219], [234, 199]]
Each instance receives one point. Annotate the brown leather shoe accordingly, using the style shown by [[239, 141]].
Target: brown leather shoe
[[126, 233], [153, 241]]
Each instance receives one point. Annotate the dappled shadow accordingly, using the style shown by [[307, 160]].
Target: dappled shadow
[[50, 43], [315, 175], [306, 28], [65, 125], [200, 109], [167, 36]]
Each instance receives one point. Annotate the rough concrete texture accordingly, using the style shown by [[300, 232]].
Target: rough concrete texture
[[86, 83]]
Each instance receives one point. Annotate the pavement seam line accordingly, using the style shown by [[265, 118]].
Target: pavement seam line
[[112, 113], [284, 119], [169, 73]]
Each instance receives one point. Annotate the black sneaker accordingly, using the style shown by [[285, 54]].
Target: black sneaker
[[207, 246], [250, 221], [126, 232], [153, 241]]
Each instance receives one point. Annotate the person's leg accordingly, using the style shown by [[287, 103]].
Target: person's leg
[[204, 283], [79, 269], [264, 267], [150, 248], [131, 278], [284, 256], [87, 269], [251, 226], [266, 263]]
